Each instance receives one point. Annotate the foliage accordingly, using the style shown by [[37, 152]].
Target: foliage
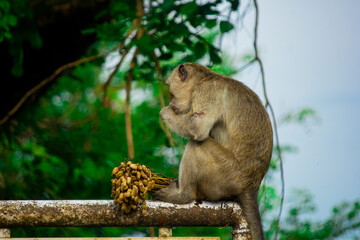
[[17, 27], [8, 20], [344, 219]]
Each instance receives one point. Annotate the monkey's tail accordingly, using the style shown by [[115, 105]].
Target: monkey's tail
[[248, 202]]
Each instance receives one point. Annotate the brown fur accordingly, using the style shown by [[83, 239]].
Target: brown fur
[[230, 140]]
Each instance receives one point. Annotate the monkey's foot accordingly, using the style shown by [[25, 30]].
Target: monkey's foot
[[163, 194]]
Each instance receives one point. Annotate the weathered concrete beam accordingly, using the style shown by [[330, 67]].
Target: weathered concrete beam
[[96, 213]]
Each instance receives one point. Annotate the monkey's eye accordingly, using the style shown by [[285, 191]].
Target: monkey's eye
[[171, 95]]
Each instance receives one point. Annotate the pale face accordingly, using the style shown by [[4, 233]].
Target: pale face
[[180, 91]]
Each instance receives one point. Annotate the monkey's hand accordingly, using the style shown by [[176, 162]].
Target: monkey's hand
[[173, 106], [192, 125], [167, 114]]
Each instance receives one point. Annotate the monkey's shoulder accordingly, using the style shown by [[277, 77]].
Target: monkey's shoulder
[[218, 84]]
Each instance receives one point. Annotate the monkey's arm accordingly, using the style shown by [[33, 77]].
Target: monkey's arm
[[192, 125]]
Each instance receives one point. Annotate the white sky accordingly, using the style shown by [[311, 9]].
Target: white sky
[[311, 51]]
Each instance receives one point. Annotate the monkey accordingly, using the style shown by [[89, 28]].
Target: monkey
[[230, 140]]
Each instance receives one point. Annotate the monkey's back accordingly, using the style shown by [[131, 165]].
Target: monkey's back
[[243, 126]]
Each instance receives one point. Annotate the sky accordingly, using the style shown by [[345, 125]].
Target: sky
[[311, 55]]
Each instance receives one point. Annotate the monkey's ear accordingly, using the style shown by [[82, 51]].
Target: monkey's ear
[[182, 72]]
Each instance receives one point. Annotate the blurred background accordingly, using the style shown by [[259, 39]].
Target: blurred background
[[83, 84]]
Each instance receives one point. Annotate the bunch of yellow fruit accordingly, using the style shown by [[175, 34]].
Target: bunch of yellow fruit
[[132, 182]]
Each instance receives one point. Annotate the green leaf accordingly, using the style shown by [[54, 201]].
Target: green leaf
[[294, 212], [35, 40], [188, 8], [166, 56], [7, 35], [210, 23], [146, 43], [234, 4], [88, 31], [188, 58], [181, 29], [12, 20], [120, 6], [351, 214], [305, 113], [214, 56], [17, 69], [225, 26], [5, 6], [168, 4], [197, 21], [175, 47], [199, 49]]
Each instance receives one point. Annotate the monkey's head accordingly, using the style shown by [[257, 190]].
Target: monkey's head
[[181, 82]]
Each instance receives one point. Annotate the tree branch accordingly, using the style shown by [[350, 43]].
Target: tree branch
[[121, 47], [48, 80], [111, 76], [243, 67], [128, 125], [162, 101], [103, 213], [269, 106], [140, 15], [129, 78], [344, 229]]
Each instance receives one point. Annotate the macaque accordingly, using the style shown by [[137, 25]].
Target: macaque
[[230, 140]]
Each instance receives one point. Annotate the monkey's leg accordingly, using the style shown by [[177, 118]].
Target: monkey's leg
[[242, 173], [201, 173], [224, 177], [213, 170], [185, 190]]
